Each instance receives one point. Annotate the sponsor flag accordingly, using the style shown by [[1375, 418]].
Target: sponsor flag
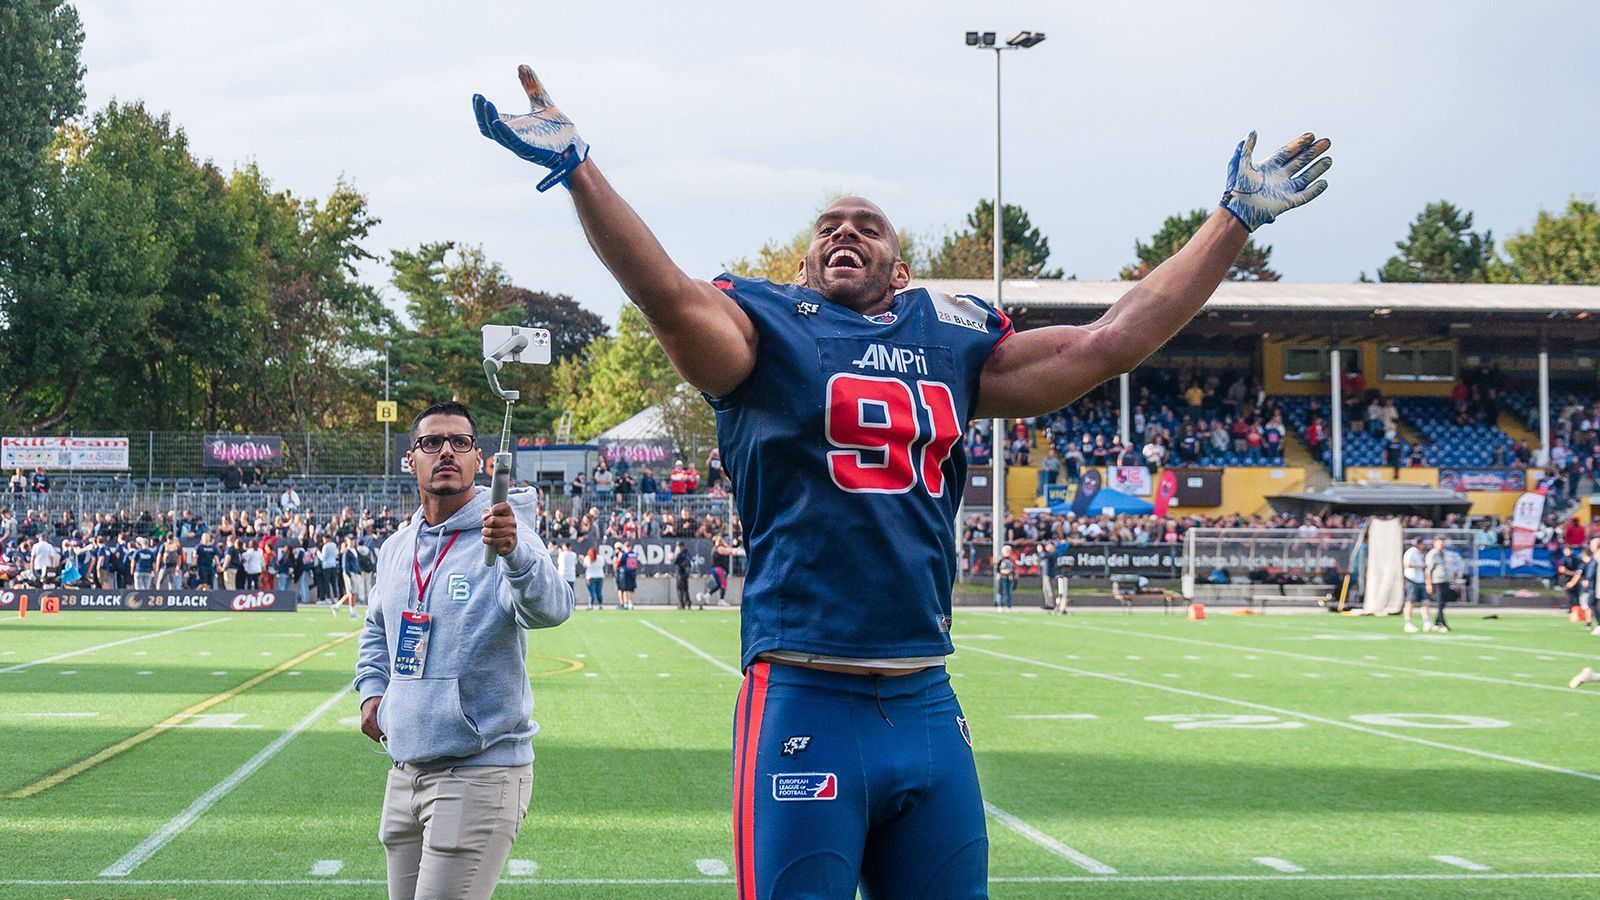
[[1088, 486], [1166, 489], [1524, 526]]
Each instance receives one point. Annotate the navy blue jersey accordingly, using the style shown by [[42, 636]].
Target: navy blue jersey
[[845, 442]]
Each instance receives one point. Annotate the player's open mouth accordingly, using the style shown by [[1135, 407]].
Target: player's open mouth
[[844, 258]]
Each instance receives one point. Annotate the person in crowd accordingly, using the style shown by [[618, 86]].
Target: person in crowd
[[144, 564], [1006, 565], [18, 483], [232, 477], [169, 565], [328, 576], [680, 572], [567, 564], [594, 578], [40, 483], [289, 500]]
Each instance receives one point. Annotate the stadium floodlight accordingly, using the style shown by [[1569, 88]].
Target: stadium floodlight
[[997, 427], [503, 344]]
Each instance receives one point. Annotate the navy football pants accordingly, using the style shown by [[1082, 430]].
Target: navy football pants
[[842, 781]]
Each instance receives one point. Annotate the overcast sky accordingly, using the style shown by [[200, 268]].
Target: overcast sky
[[727, 123]]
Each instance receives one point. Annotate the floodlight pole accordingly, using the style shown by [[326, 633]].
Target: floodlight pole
[[1542, 458], [1336, 437], [997, 426], [388, 445]]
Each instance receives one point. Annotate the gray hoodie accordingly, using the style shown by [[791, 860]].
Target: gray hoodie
[[472, 705]]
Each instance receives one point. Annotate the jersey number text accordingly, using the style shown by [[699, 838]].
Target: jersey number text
[[880, 415]]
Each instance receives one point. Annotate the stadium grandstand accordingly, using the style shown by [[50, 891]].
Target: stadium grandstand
[[1432, 379]]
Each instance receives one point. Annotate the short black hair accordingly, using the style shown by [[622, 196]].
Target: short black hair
[[443, 408]]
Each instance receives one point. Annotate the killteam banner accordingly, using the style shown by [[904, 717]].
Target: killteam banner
[[80, 454]]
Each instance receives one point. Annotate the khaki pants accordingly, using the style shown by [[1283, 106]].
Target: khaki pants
[[447, 832]]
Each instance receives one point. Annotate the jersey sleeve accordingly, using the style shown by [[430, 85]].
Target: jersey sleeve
[[751, 295], [997, 323]]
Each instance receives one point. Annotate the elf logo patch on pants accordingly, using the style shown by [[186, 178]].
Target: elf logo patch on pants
[[805, 786]]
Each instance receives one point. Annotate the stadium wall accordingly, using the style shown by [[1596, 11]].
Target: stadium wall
[[1272, 369]]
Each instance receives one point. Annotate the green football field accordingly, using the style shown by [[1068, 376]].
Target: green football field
[[215, 755]]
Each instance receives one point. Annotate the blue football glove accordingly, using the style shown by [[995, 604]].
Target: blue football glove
[[544, 136], [1257, 195]]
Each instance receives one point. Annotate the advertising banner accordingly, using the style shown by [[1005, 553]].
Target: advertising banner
[[223, 450], [639, 452], [68, 600], [1483, 479], [655, 554], [1057, 493], [83, 454], [1134, 480], [1524, 526]]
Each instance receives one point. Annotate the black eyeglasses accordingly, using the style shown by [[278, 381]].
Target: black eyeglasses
[[433, 443]]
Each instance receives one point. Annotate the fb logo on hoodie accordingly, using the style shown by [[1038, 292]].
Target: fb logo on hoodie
[[460, 590]]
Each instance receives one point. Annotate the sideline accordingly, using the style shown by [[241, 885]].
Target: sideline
[[84, 765], [1443, 641], [60, 656], [1028, 832], [1309, 717], [164, 835]]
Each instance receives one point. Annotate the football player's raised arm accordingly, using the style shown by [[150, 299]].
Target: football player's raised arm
[[709, 339], [1041, 370]]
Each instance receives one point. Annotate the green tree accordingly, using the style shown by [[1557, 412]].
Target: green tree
[[970, 253], [1176, 230], [571, 326], [40, 42], [615, 377], [1562, 249], [1440, 247]]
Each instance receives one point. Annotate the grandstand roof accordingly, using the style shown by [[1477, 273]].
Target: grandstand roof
[[1529, 308], [1371, 499]]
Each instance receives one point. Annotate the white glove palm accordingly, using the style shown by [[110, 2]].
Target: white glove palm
[[1257, 195]]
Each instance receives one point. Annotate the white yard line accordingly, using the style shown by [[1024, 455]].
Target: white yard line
[[1002, 879], [1010, 821], [164, 835], [327, 868], [1442, 641], [1460, 863], [731, 670], [1294, 714], [60, 656], [521, 868], [711, 866], [1282, 865], [1082, 861], [1307, 657]]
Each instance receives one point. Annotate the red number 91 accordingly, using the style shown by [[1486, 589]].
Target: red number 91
[[867, 413]]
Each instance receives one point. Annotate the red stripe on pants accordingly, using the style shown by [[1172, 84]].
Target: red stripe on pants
[[754, 697]]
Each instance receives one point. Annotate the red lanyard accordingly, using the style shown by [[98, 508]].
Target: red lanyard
[[416, 569]]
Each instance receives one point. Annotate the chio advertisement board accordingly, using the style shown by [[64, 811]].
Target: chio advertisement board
[[66, 600], [71, 453]]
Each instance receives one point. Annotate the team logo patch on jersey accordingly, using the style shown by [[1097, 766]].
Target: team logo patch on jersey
[[796, 744], [966, 733], [459, 589], [805, 308], [805, 786], [886, 317], [962, 311]]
